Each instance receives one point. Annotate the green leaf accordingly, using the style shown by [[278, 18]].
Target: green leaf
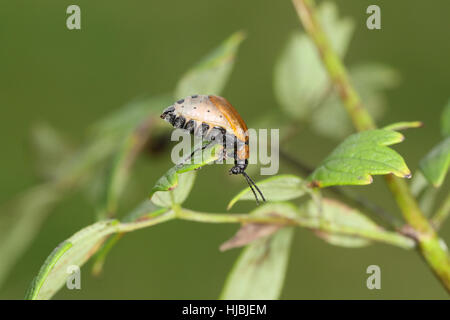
[[359, 157], [119, 172], [300, 81], [423, 192], [445, 120], [105, 135], [76, 250], [435, 164], [403, 125], [276, 188], [175, 185], [20, 221], [339, 215], [126, 119], [47, 267], [51, 148], [260, 270], [181, 185], [212, 73], [370, 81]]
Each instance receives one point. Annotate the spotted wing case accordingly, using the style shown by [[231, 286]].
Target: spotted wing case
[[212, 110]]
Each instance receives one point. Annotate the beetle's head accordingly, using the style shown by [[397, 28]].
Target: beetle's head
[[169, 110], [168, 114], [238, 169]]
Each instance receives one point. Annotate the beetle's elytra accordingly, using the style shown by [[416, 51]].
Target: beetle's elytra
[[215, 119]]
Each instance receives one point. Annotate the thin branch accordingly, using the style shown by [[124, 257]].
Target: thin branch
[[430, 246], [338, 74], [388, 237], [153, 218]]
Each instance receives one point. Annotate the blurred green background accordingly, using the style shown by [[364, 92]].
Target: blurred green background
[[126, 49]]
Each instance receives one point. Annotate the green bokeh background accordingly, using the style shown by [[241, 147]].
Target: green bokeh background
[[125, 49]]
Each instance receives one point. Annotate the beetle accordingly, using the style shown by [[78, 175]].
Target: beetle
[[213, 117]]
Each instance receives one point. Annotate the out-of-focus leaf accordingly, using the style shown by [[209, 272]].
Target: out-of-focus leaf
[[423, 192], [20, 222], [79, 248], [418, 184], [435, 164], [403, 125], [276, 188], [127, 118], [339, 215], [370, 81], [445, 120], [120, 170], [212, 73], [442, 212], [30, 209], [106, 134], [359, 157], [51, 148], [427, 200], [250, 232], [175, 185], [260, 269], [300, 81], [76, 171]]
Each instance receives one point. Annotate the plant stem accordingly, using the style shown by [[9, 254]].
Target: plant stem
[[430, 245], [441, 213], [337, 72], [312, 224]]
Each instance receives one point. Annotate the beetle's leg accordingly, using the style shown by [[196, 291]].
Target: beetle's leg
[[200, 149], [193, 153], [224, 145]]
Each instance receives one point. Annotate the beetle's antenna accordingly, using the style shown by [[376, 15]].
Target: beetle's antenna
[[250, 183], [251, 187]]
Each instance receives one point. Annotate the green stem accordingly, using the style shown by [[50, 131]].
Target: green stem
[[177, 212], [375, 235], [337, 72], [441, 213], [430, 245]]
